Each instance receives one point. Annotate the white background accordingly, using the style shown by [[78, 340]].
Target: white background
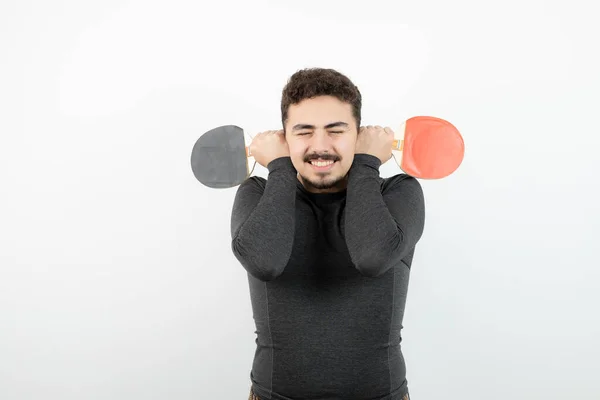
[[116, 276]]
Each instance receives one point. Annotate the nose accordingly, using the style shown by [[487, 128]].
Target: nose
[[320, 142]]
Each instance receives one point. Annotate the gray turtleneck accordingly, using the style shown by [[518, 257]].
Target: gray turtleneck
[[328, 276]]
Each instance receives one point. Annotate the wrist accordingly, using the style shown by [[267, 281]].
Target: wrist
[[367, 159]]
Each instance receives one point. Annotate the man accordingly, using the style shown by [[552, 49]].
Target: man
[[327, 244]]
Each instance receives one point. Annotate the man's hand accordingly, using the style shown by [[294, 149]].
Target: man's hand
[[269, 145], [376, 141]]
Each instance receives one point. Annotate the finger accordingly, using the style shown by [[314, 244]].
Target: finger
[[389, 130]]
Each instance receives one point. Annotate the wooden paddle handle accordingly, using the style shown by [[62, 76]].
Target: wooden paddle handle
[[398, 145]]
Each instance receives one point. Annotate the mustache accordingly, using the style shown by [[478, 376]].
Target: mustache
[[325, 157]]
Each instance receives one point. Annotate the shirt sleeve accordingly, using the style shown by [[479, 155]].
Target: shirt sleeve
[[383, 223], [263, 220]]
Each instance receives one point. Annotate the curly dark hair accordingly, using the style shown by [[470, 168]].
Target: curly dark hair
[[312, 82]]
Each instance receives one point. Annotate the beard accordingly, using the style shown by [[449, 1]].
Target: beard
[[324, 182]]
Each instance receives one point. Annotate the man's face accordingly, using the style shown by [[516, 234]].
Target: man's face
[[318, 131]]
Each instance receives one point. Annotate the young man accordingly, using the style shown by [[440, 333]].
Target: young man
[[327, 244]]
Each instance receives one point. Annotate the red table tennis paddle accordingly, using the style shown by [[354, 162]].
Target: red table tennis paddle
[[429, 148]]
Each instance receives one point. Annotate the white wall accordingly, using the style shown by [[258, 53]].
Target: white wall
[[116, 275]]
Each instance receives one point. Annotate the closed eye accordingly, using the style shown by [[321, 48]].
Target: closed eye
[[308, 133]]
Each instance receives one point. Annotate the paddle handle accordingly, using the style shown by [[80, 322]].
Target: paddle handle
[[396, 145]]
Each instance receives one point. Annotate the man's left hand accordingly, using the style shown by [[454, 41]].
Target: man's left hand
[[376, 141]]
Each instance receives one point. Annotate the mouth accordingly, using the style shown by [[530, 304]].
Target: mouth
[[322, 165]]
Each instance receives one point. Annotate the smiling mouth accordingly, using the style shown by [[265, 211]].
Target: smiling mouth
[[322, 165]]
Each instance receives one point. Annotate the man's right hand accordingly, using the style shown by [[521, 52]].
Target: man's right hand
[[269, 145]]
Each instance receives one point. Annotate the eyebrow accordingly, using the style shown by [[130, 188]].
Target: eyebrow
[[298, 127]]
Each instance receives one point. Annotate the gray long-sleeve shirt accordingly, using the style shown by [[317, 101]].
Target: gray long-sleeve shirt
[[328, 276]]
